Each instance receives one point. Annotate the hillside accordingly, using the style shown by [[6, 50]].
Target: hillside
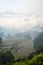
[[20, 47], [8, 32]]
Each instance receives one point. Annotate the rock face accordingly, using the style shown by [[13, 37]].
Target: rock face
[[38, 42], [0, 42]]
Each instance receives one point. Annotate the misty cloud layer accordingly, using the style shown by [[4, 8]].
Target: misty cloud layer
[[21, 14]]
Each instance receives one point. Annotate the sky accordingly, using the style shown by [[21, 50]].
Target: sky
[[21, 6], [21, 14]]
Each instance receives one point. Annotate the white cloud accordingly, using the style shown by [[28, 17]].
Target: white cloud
[[28, 13], [17, 21]]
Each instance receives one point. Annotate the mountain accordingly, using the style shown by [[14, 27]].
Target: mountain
[[6, 32]]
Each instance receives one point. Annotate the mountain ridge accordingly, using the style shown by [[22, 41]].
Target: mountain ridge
[[6, 32]]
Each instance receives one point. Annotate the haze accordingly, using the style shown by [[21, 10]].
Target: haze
[[21, 14]]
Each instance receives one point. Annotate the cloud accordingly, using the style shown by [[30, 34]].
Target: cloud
[[17, 20], [26, 19], [12, 12], [20, 21]]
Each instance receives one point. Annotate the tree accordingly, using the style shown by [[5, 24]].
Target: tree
[[36, 60], [6, 58]]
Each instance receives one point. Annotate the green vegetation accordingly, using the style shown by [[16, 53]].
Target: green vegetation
[[36, 60], [21, 52], [6, 58]]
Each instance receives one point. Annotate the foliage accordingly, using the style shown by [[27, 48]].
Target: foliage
[[36, 60], [6, 58]]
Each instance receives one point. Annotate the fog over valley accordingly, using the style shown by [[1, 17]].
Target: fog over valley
[[21, 32]]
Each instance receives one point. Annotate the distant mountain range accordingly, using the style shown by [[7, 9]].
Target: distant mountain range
[[6, 32]]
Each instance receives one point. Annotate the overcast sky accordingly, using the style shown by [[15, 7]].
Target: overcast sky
[[21, 5], [23, 9]]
